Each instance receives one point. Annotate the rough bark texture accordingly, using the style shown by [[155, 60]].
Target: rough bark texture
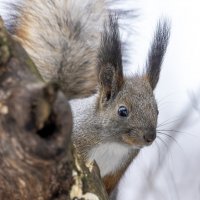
[[37, 160]]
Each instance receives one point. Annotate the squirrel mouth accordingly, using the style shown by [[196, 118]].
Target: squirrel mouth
[[136, 143], [139, 138]]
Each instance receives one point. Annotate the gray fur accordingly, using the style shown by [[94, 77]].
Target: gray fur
[[157, 52], [93, 126], [59, 35]]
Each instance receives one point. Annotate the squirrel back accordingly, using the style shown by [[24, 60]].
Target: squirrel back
[[62, 38]]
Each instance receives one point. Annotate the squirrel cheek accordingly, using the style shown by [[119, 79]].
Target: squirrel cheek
[[131, 140]]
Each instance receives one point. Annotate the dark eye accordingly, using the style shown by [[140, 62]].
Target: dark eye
[[123, 111], [157, 112]]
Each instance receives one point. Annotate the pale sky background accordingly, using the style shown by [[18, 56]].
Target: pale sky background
[[178, 176]]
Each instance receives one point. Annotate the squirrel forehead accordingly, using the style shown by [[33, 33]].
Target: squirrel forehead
[[136, 91], [137, 86]]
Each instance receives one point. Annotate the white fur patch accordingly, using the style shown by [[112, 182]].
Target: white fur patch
[[109, 157]]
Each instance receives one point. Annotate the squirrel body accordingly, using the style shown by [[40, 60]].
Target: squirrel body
[[77, 44], [111, 155]]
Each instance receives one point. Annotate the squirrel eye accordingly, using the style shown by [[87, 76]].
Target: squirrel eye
[[157, 112], [123, 111]]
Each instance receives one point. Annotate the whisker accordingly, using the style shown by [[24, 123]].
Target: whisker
[[167, 122], [176, 131], [162, 105], [167, 151], [163, 142], [171, 130], [159, 154], [172, 138], [166, 135], [164, 97]]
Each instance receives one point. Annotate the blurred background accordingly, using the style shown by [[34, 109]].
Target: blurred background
[[170, 168]]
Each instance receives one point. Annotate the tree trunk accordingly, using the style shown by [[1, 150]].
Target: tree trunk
[[37, 159]]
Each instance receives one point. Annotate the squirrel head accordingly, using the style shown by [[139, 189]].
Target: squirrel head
[[126, 106]]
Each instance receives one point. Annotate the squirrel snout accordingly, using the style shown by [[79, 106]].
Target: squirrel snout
[[150, 136]]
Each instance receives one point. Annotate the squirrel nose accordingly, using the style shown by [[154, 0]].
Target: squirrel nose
[[150, 136]]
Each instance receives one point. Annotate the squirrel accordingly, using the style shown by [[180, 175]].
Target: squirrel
[[77, 43], [121, 117]]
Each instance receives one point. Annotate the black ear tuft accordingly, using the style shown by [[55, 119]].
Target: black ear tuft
[[157, 52], [110, 68]]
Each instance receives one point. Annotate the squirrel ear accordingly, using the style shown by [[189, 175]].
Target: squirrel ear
[[110, 68], [157, 52]]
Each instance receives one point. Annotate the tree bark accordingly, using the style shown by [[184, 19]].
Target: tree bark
[[37, 159]]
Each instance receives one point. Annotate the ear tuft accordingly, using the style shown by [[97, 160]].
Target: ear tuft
[[157, 52], [110, 68]]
